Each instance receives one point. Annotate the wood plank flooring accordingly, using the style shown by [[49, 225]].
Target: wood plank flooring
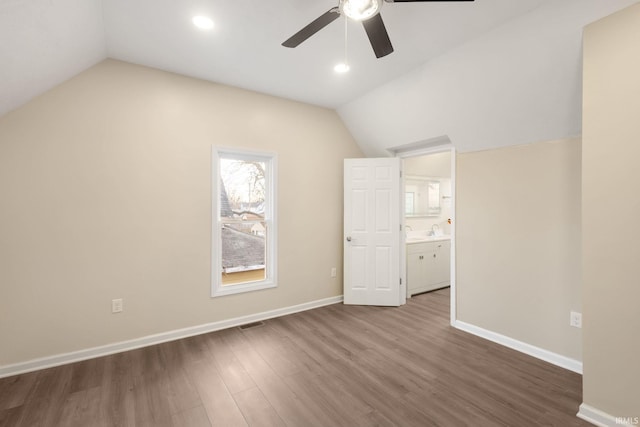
[[334, 366]]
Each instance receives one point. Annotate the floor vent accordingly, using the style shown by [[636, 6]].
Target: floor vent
[[250, 325]]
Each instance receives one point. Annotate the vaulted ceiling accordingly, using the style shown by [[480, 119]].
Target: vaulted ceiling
[[45, 42]]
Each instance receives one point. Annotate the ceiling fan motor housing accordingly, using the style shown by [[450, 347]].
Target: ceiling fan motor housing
[[360, 10]]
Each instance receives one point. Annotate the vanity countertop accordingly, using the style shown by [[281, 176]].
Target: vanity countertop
[[410, 240]]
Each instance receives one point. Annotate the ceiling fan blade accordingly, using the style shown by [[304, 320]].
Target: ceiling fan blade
[[315, 26], [377, 33]]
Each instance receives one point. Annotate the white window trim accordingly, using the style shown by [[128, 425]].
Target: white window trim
[[270, 281]]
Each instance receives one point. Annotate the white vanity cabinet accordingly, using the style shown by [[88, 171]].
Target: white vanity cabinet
[[428, 266]]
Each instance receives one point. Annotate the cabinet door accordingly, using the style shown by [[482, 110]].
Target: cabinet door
[[415, 271], [440, 265], [436, 265]]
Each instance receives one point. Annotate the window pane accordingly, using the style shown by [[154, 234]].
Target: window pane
[[243, 252], [242, 189]]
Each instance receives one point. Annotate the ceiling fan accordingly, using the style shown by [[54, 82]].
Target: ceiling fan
[[366, 11]]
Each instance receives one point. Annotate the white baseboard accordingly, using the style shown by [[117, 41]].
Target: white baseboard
[[602, 419], [537, 352], [90, 353]]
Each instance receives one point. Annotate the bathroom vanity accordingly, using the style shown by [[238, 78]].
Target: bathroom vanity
[[428, 263]]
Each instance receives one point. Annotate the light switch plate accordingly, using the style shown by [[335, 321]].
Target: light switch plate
[[116, 305]]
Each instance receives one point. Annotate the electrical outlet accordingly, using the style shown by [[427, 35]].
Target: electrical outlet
[[333, 272], [575, 319], [116, 305]]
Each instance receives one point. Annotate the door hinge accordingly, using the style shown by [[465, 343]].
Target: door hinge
[[401, 280]]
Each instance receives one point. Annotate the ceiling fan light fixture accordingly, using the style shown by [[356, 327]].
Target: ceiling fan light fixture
[[360, 10]]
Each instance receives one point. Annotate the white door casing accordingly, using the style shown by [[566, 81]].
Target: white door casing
[[372, 231]]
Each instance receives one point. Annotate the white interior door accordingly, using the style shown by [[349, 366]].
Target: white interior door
[[372, 231]]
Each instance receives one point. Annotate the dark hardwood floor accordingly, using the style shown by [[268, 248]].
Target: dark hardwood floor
[[334, 366]]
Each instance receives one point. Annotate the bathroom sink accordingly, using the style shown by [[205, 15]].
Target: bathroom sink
[[425, 238]]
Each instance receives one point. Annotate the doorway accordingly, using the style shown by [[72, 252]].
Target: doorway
[[428, 212], [371, 265]]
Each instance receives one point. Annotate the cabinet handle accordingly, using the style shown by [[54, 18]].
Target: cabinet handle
[[434, 255]]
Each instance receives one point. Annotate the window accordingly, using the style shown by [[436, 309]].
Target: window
[[409, 198], [244, 229]]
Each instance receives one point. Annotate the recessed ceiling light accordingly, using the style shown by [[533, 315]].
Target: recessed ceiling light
[[341, 68], [202, 22]]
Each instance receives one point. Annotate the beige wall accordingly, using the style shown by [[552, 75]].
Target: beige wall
[[105, 193], [611, 177], [518, 243]]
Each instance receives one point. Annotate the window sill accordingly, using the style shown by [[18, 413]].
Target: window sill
[[220, 291]]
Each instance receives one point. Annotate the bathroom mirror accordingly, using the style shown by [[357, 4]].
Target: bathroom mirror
[[422, 197]]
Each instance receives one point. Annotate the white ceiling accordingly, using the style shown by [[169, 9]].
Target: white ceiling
[[44, 42], [517, 84], [245, 48]]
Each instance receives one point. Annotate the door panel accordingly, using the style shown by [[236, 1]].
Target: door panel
[[358, 268], [383, 272], [359, 211], [383, 220]]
